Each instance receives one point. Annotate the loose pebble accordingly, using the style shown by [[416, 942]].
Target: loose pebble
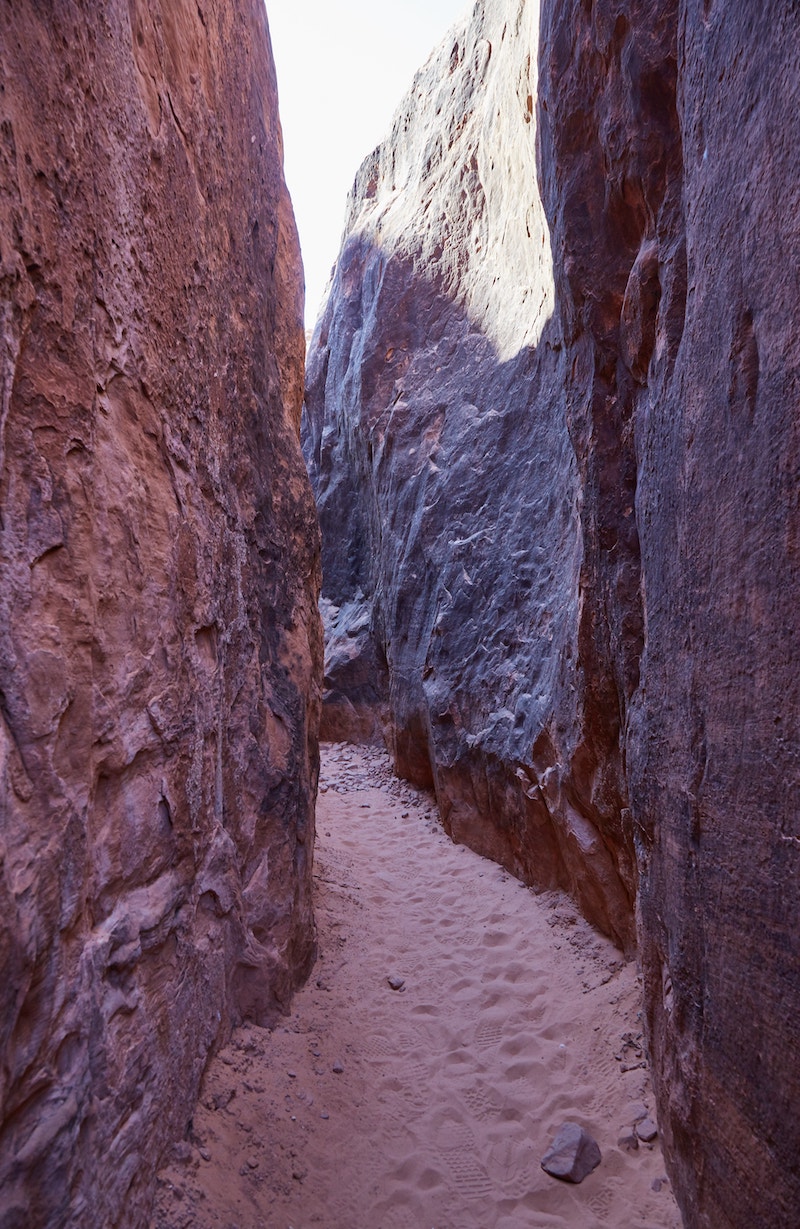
[[646, 1130]]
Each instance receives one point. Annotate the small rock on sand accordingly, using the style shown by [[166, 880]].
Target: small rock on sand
[[628, 1140], [396, 982], [646, 1130], [572, 1155]]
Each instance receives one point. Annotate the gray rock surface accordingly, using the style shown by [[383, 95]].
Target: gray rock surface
[[551, 432], [159, 637], [437, 362], [573, 1154], [354, 691]]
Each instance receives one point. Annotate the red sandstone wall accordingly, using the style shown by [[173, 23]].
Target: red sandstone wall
[[159, 639]]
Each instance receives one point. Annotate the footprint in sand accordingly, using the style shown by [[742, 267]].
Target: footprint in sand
[[514, 1167], [489, 1034], [469, 1178], [483, 1102], [496, 938], [449, 1091], [518, 1045], [601, 1203], [377, 1048]]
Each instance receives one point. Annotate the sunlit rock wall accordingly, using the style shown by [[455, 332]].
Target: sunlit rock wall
[[439, 441], [551, 427], [159, 639]]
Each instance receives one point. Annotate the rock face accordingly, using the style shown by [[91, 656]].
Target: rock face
[[550, 427], [354, 688], [159, 640], [437, 363], [713, 746]]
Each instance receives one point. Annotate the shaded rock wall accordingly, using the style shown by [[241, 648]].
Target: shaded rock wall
[[159, 640], [713, 748], [440, 446], [550, 428], [355, 681]]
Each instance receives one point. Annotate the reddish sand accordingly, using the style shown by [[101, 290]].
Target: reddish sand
[[514, 1017]]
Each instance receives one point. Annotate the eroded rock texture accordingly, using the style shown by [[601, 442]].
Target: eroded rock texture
[[551, 427], [158, 630], [440, 446], [355, 682], [713, 746]]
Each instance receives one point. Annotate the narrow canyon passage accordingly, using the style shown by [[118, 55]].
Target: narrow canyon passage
[[430, 1106]]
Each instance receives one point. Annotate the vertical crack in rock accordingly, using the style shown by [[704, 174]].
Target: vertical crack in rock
[[159, 633]]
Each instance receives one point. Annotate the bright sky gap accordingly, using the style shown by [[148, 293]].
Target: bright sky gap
[[342, 70]]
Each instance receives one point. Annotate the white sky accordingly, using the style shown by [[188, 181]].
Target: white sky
[[342, 70]]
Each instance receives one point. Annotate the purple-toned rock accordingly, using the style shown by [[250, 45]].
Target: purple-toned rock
[[159, 636], [552, 429], [628, 1140], [573, 1154], [354, 690], [440, 443]]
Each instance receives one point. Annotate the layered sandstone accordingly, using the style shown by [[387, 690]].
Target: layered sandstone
[[550, 428], [158, 637]]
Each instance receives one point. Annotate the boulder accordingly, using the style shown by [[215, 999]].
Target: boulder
[[573, 1154]]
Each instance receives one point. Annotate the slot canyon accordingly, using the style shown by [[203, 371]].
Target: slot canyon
[[519, 547]]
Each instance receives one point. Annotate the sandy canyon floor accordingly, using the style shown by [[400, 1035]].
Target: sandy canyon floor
[[428, 1106]]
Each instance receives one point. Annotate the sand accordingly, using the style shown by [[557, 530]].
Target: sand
[[428, 1107]]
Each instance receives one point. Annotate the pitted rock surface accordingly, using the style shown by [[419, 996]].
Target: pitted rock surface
[[159, 638]]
